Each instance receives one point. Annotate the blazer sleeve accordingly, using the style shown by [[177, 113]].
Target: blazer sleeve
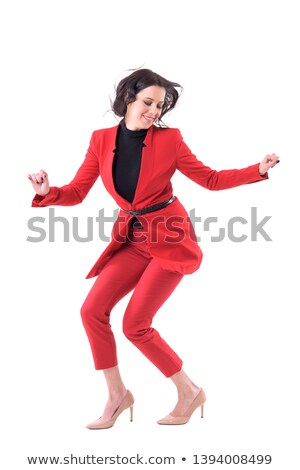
[[211, 179], [74, 192]]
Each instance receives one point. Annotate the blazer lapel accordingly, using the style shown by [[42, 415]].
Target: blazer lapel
[[107, 174]]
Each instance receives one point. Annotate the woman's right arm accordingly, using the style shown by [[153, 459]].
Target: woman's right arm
[[72, 193]]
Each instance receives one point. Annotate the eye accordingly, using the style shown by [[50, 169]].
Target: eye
[[149, 104]]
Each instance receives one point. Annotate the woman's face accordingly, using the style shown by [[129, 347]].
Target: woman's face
[[146, 109]]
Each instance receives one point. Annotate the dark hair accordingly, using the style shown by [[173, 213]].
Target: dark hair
[[130, 86]]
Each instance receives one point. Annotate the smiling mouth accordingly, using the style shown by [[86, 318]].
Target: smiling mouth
[[148, 119]]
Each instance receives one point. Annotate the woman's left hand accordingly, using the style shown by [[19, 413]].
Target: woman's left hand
[[268, 162]]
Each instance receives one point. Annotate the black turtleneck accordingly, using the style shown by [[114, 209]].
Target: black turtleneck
[[127, 160]]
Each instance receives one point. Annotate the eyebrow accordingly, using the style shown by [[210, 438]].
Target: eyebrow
[[148, 98]]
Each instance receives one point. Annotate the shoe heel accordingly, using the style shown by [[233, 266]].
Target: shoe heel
[[202, 411], [131, 413]]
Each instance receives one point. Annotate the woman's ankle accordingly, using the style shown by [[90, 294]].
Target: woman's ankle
[[117, 393], [188, 390]]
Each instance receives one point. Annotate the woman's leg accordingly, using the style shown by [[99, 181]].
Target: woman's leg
[[151, 291], [118, 277]]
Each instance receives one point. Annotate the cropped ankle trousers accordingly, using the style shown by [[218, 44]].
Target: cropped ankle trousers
[[130, 268]]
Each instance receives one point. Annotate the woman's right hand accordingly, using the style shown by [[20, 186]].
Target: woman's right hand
[[40, 182]]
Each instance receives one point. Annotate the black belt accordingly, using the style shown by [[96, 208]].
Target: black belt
[[156, 207]]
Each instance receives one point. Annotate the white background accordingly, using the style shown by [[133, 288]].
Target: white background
[[234, 321]]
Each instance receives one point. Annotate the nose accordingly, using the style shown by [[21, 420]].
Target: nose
[[153, 110]]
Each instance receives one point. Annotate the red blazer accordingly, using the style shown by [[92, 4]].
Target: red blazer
[[170, 233]]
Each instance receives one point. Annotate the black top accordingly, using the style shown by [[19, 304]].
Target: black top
[[127, 160]]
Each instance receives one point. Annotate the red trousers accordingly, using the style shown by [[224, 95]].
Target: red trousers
[[131, 267]]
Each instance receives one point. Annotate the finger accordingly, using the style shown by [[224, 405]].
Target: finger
[[43, 176], [38, 178], [272, 159], [43, 173], [33, 179]]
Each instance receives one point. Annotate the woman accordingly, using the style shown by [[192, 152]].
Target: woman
[[153, 242]]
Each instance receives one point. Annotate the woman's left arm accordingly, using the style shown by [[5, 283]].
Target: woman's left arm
[[215, 180]]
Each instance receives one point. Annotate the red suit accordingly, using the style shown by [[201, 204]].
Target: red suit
[[168, 247], [164, 152]]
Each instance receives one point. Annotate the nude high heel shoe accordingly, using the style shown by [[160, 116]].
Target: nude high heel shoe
[[198, 402], [127, 402]]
